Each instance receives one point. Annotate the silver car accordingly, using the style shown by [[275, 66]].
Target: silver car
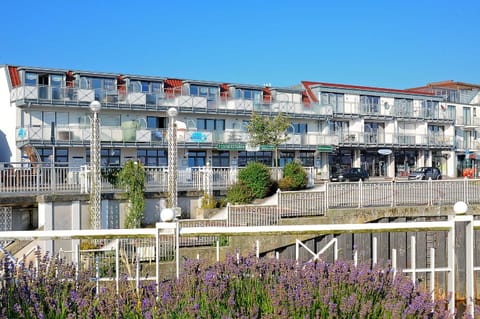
[[424, 173]]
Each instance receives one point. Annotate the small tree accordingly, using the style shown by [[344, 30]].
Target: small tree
[[132, 179], [265, 130]]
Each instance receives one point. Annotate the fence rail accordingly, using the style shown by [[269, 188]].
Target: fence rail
[[138, 252]]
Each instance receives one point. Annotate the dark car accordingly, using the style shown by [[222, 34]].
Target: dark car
[[353, 174], [424, 173]]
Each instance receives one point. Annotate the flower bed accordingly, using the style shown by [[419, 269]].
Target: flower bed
[[246, 287]]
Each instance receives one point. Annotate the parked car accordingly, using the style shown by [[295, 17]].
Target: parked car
[[424, 173], [353, 174]]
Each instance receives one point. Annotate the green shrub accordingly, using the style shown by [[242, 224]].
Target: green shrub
[[239, 194], [286, 184], [295, 175], [256, 176]]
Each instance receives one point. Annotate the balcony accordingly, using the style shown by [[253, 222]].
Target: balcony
[[72, 96], [128, 135], [468, 121], [368, 139]]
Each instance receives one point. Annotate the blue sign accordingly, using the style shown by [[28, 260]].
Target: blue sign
[[198, 137]]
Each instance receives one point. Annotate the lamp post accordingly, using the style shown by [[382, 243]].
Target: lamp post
[[95, 176], [172, 158]]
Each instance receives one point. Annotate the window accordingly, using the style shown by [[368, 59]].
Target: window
[[31, 79], [61, 156], [449, 95], [207, 91], [245, 157], [403, 107], [156, 122], [248, 94], [297, 128], [100, 85], [153, 157], [286, 157], [210, 125], [45, 154], [369, 104], [430, 108], [108, 156], [333, 99], [196, 158], [110, 120], [307, 158], [39, 118], [338, 126], [220, 159]]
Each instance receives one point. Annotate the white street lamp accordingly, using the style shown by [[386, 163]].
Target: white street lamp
[[95, 174], [460, 208], [172, 158]]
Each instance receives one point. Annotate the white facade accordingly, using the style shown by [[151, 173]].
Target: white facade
[[331, 124]]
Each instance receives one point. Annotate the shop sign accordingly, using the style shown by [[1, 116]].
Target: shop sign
[[267, 147], [325, 148], [231, 147], [384, 151]]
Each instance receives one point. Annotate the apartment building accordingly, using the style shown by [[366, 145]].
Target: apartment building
[[461, 102], [388, 132]]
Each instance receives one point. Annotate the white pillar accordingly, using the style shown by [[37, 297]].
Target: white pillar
[[356, 158], [76, 215], [391, 165], [45, 219]]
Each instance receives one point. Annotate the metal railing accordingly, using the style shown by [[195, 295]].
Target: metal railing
[[44, 178], [355, 195], [181, 98], [134, 250]]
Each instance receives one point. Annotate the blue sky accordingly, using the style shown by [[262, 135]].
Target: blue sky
[[391, 44]]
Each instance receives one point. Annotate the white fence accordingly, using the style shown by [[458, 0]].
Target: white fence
[[145, 247], [47, 178]]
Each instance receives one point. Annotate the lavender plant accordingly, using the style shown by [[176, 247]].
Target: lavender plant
[[246, 287]]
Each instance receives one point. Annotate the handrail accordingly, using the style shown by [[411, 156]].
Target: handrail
[[180, 97]]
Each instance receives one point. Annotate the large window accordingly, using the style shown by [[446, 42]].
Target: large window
[[210, 125], [449, 95], [45, 154], [207, 91], [196, 158], [369, 104], [307, 158], [403, 107], [156, 122], [108, 157], [286, 157], [297, 128], [153, 157], [332, 99], [61, 155], [220, 158], [338, 127], [374, 132], [100, 85], [245, 157], [248, 94], [430, 108]]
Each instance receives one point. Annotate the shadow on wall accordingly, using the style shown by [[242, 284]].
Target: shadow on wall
[[5, 152]]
